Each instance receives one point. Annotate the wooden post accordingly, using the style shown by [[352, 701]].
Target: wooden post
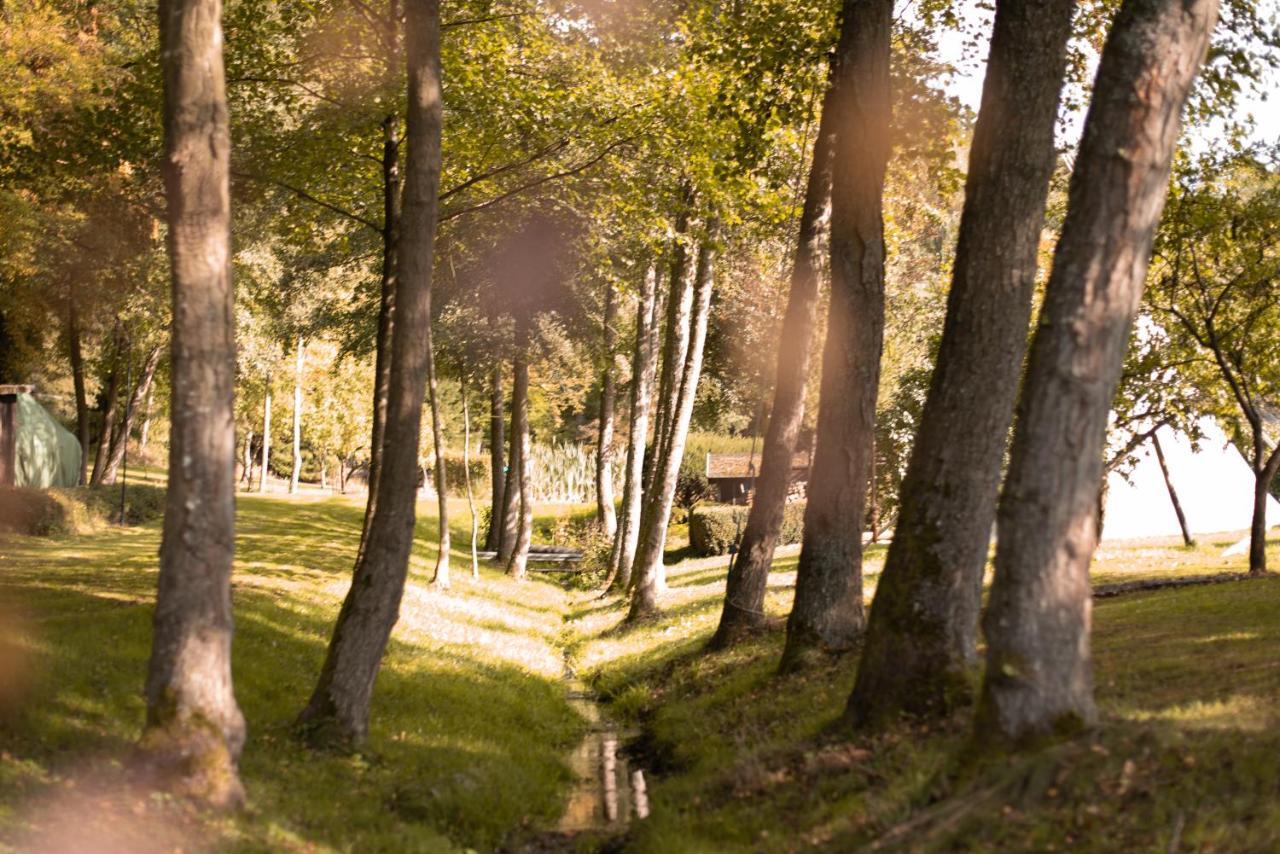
[[9, 432]]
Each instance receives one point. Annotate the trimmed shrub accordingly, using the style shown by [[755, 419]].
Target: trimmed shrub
[[713, 528], [79, 510]]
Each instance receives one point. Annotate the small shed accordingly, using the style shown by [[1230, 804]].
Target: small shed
[[733, 476], [35, 450]]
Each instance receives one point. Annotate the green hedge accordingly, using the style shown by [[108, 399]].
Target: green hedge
[[714, 527], [79, 510]]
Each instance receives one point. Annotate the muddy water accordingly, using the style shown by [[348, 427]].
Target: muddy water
[[609, 793]]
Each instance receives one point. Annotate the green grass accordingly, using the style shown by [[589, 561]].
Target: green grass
[[743, 759], [470, 727], [472, 731]]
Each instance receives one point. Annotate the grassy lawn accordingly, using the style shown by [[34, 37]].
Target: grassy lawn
[[472, 731], [470, 726], [742, 759]]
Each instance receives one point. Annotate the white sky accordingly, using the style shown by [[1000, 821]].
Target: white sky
[[966, 49]]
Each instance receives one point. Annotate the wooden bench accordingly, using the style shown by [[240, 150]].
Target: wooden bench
[[561, 561]]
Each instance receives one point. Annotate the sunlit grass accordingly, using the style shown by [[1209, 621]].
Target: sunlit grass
[[470, 727]]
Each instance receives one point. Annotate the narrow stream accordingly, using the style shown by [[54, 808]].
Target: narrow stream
[[608, 793]]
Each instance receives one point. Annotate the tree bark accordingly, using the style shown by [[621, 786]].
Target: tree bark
[[1187, 539], [649, 577], [644, 366], [921, 644], [441, 578], [77, 377], [518, 560], [497, 464], [511, 488], [827, 612], [145, 434], [749, 573], [338, 712], [296, 473], [466, 475], [120, 441], [266, 440], [606, 513], [391, 215], [1039, 678], [109, 410], [1264, 473], [246, 476], [194, 729]]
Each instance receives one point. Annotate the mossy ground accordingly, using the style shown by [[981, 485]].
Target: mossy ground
[[471, 729], [745, 759]]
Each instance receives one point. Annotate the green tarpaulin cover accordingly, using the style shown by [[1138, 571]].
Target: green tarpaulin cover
[[48, 453]]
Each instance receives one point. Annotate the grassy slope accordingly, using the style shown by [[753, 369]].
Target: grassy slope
[[1187, 681], [470, 726]]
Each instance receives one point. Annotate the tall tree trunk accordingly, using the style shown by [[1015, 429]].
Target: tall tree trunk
[[510, 529], [921, 647], [391, 215], [1039, 679], [606, 514], [1187, 539], [120, 441], [338, 712], [246, 475], [643, 368], [497, 464], [1265, 469], [145, 434], [441, 578], [296, 473], [518, 560], [649, 574], [77, 377], [194, 729], [109, 408], [466, 475], [828, 613], [266, 440], [749, 572]]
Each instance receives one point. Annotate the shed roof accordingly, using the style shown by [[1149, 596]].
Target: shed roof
[[720, 466]]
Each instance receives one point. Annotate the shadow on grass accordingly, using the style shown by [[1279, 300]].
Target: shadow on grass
[[470, 726]]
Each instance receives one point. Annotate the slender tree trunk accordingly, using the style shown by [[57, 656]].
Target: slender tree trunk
[[827, 612], [1265, 469], [391, 215], [749, 572], [296, 474], [466, 474], [1039, 678], [679, 306], [511, 488], [246, 476], [441, 578], [497, 464], [605, 511], [194, 729], [324, 472], [1187, 539], [145, 434], [266, 440], [77, 377], [649, 577], [109, 411], [338, 712], [921, 648], [644, 366], [139, 392], [518, 560]]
